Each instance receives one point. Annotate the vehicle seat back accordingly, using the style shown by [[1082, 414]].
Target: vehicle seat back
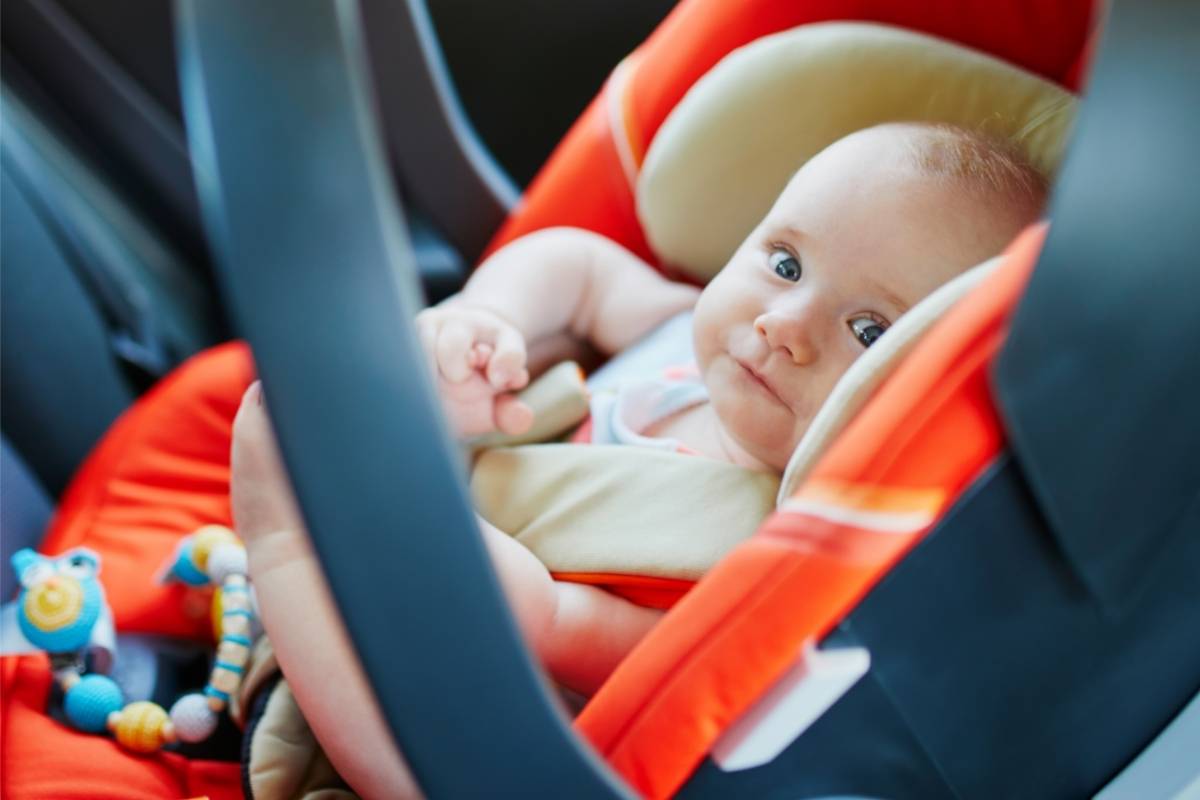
[[95, 305], [24, 511]]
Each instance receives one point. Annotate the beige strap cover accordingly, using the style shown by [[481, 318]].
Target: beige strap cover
[[621, 510], [559, 399], [285, 759]]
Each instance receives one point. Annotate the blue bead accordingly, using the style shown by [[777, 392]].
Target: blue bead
[[89, 702]]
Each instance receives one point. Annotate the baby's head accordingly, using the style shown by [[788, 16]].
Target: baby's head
[[861, 233]]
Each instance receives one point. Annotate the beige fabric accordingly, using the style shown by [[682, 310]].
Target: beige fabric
[[726, 151], [285, 759], [261, 666], [559, 399], [620, 509], [865, 375], [600, 508]]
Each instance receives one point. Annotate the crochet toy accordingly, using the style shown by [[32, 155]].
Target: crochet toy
[[61, 608]]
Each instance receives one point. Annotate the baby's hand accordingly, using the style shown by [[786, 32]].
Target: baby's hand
[[479, 361]]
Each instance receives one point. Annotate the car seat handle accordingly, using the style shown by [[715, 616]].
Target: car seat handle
[[314, 260], [1097, 379]]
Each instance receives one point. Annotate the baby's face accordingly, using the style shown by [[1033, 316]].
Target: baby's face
[[856, 238]]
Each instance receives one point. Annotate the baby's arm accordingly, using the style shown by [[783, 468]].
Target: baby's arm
[[299, 615], [572, 280], [578, 632], [323, 673], [543, 289]]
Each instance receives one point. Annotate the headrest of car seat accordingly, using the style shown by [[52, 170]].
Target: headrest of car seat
[[859, 382], [729, 147]]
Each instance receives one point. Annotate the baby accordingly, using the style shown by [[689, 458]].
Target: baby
[[860, 234]]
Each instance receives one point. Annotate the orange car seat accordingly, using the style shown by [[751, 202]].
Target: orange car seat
[[162, 470]]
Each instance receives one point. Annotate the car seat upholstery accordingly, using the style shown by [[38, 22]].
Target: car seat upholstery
[[924, 740], [726, 151]]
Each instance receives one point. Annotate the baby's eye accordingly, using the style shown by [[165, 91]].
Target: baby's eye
[[786, 265], [867, 329]]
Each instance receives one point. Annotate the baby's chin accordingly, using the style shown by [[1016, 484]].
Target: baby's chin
[[762, 437]]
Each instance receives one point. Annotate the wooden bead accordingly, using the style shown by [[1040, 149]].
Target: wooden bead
[[225, 681]]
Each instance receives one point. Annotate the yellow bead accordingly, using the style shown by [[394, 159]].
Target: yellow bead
[[205, 539], [218, 612], [143, 727]]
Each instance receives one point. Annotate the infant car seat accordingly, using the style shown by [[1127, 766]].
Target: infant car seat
[[892, 734]]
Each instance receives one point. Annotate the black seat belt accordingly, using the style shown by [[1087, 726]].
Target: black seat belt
[[124, 305]]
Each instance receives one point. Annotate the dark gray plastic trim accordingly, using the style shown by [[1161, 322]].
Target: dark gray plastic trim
[[443, 166], [322, 280]]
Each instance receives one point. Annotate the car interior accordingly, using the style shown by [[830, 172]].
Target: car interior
[[305, 176]]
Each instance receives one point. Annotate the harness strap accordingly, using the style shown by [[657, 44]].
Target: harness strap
[[561, 501]]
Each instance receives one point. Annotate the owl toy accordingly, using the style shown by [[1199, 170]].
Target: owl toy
[[61, 609], [60, 601]]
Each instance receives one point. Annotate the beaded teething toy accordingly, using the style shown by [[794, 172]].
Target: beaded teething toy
[[61, 601]]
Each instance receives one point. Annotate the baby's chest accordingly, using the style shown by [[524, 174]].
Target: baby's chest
[[691, 427]]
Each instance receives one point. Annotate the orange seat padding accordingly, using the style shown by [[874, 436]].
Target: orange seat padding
[[925, 436], [588, 180], [43, 760], [162, 470]]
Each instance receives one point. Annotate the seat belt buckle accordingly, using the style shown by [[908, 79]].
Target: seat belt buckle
[[809, 688]]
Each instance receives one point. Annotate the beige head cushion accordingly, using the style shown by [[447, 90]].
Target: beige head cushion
[[729, 147]]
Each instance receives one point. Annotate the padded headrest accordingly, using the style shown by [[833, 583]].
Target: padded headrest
[[729, 147]]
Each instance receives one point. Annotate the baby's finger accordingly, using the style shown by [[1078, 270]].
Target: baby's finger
[[508, 361], [512, 416], [480, 354], [427, 330], [453, 347]]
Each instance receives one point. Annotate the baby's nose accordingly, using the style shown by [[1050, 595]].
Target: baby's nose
[[788, 334]]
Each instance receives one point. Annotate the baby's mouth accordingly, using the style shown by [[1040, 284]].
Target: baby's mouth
[[756, 378]]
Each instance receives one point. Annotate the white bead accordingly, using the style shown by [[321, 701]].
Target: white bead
[[226, 559], [193, 719]]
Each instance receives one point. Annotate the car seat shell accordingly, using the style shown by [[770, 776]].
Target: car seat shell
[[1000, 469]]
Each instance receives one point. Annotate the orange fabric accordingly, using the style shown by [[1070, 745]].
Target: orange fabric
[[160, 472], [928, 432], [584, 184], [640, 589], [43, 760]]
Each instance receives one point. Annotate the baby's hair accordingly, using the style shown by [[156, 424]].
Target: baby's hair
[[986, 165]]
